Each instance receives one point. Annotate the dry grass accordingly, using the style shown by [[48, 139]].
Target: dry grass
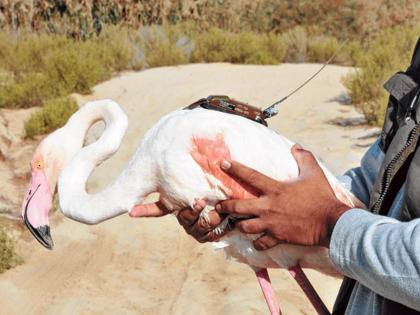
[[53, 115], [355, 19], [389, 53], [59, 50], [8, 256]]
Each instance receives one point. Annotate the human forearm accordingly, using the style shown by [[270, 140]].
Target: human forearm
[[381, 253], [360, 180]]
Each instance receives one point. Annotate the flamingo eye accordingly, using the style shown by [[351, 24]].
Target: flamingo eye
[[38, 165]]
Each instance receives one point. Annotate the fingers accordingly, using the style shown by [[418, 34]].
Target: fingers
[[196, 226], [265, 242], [149, 210], [203, 231], [199, 204], [249, 175], [251, 226], [187, 217], [241, 207], [304, 159]]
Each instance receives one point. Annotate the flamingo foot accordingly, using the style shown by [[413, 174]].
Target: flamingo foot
[[268, 292], [309, 290]]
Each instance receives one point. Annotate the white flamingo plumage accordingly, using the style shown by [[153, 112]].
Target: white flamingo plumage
[[179, 158]]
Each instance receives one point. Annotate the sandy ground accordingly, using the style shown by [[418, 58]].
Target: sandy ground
[[149, 266]]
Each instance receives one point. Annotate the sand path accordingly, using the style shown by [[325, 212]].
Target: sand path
[[149, 266]]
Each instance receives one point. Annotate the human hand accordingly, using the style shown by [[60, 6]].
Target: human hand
[[189, 218], [196, 226], [302, 211]]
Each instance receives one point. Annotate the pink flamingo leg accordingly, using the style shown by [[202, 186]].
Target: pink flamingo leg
[[267, 289], [309, 290]]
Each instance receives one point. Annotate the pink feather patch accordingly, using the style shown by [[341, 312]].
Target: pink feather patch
[[209, 153]]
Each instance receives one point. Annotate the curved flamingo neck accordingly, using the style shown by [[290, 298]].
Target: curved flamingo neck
[[116, 198]]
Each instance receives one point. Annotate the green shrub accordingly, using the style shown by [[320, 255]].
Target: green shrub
[[212, 46], [24, 52], [296, 41], [8, 256], [37, 70], [24, 59], [29, 90], [159, 48], [40, 68], [115, 48], [351, 52], [276, 46], [246, 47], [76, 69], [164, 54], [389, 53], [53, 115], [249, 48], [321, 48]]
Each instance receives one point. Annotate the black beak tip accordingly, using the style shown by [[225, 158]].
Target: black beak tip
[[42, 234], [49, 244]]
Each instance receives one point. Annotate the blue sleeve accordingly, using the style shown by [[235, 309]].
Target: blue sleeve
[[360, 180], [381, 253]]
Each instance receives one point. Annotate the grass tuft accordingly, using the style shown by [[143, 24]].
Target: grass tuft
[[246, 48], [297, 44], [8, 256], [160, 48], [53, 115]]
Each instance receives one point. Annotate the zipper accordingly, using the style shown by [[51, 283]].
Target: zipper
[[389, 171], [389, 174], [410, 110]]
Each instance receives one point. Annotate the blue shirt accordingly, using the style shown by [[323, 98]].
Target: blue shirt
[[381, 253]]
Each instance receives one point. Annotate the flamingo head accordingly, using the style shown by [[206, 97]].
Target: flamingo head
[[49, 159]]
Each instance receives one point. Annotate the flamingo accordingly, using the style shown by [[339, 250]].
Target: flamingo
[[179, 157]]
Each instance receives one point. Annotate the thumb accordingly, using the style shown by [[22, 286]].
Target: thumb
[[149, 210], [305, 160]]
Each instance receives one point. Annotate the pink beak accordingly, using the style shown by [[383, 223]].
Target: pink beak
[[35, 207]]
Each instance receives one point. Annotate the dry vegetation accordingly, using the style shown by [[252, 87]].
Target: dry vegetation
[[40, 68], [390, 52], [8, 256], [49, 49], [339, 18], [53, 115]]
